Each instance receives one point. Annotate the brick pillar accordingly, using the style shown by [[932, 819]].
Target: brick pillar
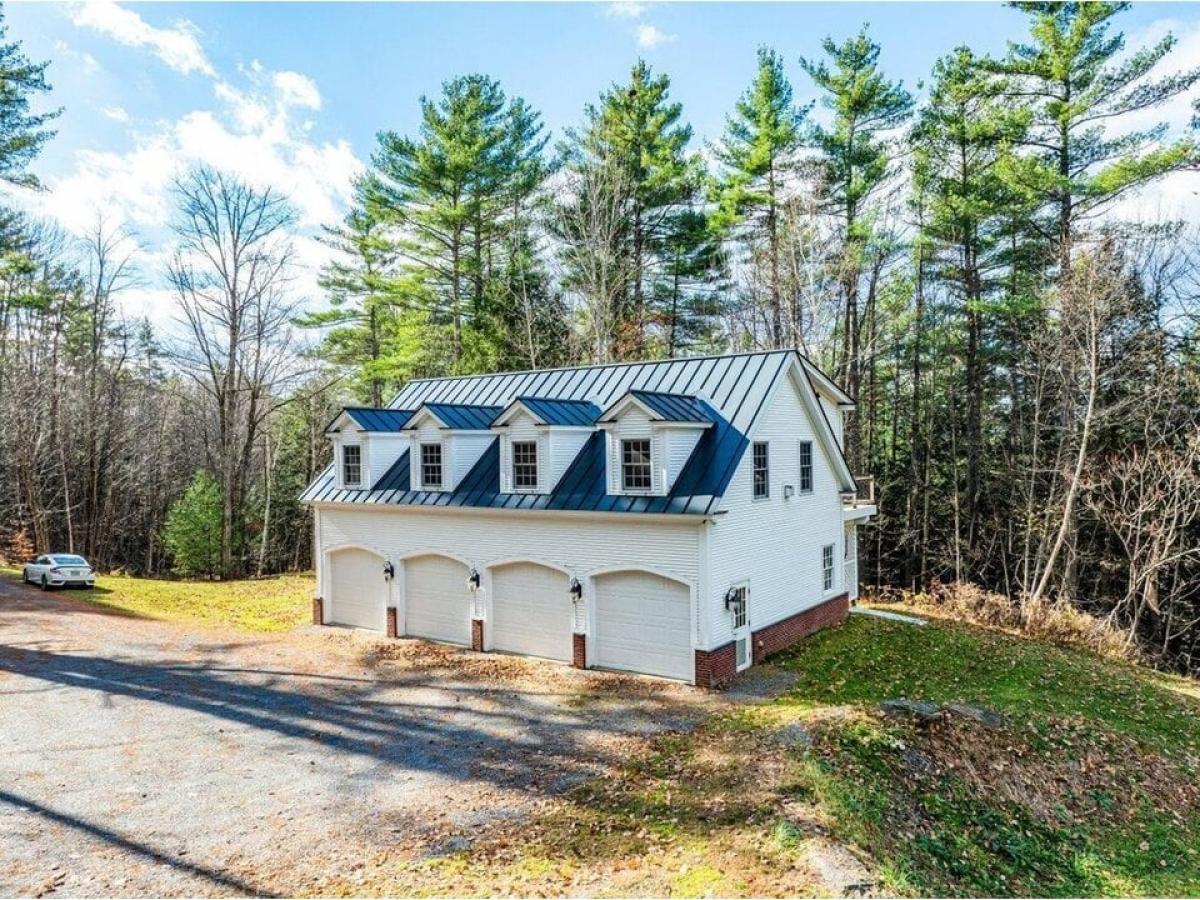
[[392, 629], [579, 651], [715, 668], [477, 634], [318, 611]]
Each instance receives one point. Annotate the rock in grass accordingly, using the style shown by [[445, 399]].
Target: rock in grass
[[988, 718], [922, 709]]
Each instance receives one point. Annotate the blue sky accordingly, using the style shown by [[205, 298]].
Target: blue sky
[[293, 94]]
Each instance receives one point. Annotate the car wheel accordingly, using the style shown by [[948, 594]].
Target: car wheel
[[45, 584], [25, 576]]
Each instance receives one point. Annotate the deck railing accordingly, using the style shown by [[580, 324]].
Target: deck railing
[[864, 493]]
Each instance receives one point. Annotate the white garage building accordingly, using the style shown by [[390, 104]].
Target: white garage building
[[683, 518]]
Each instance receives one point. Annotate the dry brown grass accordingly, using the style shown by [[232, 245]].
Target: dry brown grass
[[1058, 623]]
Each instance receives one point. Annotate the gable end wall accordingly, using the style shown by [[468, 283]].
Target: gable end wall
[[775, 544]]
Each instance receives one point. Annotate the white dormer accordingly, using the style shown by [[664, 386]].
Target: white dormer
[[649, 437], [539, 439], [366, 443], [446, 440]]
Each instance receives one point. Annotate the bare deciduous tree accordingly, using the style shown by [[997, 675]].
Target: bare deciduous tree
[[230, 273]]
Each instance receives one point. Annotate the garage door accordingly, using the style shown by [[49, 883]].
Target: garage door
[[531, 611], [358, 590], [643, 625], [438, 603]]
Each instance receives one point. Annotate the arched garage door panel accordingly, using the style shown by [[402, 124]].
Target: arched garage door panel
[[531, 611], [643, 624], [358, 591], [438, 604]]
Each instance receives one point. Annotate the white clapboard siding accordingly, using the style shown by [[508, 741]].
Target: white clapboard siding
[[775, 544]]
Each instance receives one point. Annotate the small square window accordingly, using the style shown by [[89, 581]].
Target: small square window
[[431, 465], [806, 467], [636, 474], [352, 465], [762, 470], [525, 465], [827, 567]]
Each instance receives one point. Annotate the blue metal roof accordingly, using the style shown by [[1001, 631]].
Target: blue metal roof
[[553, 411], [371, 419], [674, 407], [700, 484], [735, 389], [464, 416]]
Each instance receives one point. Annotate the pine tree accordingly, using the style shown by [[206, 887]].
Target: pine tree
[[759, 152], [965, 133], [445, 195], [855, 161], [366, 302], [637, 130], [22, 134], [193, 530], [1080, 83]]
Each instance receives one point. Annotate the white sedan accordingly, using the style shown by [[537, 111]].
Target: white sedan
[[59, 570]]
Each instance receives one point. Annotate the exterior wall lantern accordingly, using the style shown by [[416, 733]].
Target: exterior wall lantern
[[733, 597], [788, 492], [576, 590], [389, 570], [473, 581]]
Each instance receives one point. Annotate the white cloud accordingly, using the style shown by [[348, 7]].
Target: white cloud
[[1177, 111], [649, 37], [626, 9], [295, 89], [116, 113], [178, 46]]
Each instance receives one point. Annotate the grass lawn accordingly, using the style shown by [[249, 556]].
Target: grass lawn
[[1091, 788], [267, 604]]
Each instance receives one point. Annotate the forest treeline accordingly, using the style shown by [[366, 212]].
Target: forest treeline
[[1024, 355]]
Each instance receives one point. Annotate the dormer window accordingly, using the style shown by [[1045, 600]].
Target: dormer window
[[352, 465], [431, 466], [525, 465], [636, 470]]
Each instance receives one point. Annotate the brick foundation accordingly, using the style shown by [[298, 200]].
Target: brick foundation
[[787, 632], [715, 668], [318, 611], [477, 634], [392, 628], [579, 651]]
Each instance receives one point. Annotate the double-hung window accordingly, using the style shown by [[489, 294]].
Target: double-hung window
[[806, 467], [352, 465], [827, 567], [636, 471], [762, 470], [431, 466], [524, 465]]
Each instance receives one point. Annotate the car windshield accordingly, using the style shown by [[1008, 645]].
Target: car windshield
[[69, 560]]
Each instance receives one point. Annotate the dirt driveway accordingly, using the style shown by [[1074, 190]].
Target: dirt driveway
[[144, 758]]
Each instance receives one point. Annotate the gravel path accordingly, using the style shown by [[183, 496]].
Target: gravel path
[[142, 758]]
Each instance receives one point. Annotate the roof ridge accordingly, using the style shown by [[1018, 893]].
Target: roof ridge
[[607, 365]]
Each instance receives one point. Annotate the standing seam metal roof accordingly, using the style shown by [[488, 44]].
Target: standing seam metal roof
[[736, 387], [371, 419]]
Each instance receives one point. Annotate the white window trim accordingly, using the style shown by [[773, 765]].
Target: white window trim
[[767, 495], [420, 467], [831, 569], [650, 491], [512, 466], [812, 468], [362, 465]]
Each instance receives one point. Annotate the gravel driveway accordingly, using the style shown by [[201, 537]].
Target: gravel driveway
[[145, 758]]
